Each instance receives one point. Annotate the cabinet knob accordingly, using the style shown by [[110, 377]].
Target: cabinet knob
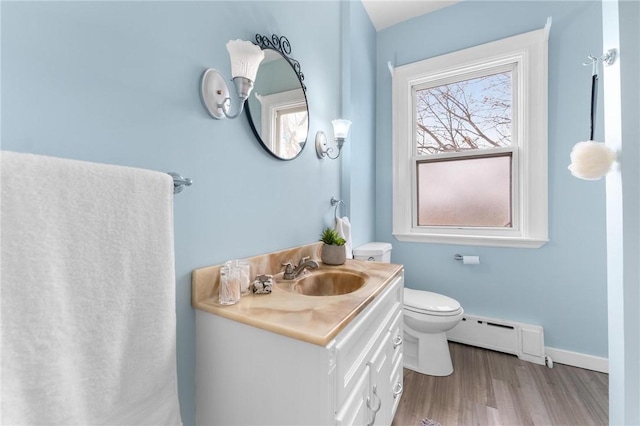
[[398, 390], [397, 341]]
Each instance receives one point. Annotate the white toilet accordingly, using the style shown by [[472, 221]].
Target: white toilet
[[427, 318]]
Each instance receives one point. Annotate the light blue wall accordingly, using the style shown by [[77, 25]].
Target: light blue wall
[[359, 88], [117, 82], [562, 285]]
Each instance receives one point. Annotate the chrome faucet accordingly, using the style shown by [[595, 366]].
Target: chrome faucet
[[291, 273]]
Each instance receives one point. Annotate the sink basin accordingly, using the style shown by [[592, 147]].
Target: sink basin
[[327, 283]]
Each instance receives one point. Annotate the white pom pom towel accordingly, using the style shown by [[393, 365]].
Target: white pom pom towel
[[591, 160]]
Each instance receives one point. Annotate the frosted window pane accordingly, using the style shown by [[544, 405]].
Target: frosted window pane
[[465, 115], [465, 192]]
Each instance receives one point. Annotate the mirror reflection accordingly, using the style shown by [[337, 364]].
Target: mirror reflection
[[277, 108]]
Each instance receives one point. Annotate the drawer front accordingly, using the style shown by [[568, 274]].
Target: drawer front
[[356, 344], [380, 357]]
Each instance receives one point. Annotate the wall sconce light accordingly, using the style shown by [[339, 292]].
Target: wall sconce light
[[591, 160], [245, 60], [340, 132]]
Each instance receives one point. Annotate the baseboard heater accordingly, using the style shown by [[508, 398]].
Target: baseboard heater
[[526, 341]]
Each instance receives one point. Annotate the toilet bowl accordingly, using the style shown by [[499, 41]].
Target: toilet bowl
[[427, 318]]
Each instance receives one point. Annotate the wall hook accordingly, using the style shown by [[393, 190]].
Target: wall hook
[[609, 57]]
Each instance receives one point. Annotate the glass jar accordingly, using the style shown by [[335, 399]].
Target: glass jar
[[229, 292], [242, 268]]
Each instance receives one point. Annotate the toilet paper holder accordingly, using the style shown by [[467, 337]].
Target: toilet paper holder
[[467, 260]]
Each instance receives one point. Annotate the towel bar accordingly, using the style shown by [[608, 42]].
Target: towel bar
[[179, 182]]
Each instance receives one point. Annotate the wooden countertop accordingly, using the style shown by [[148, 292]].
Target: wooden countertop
[[313, 319]]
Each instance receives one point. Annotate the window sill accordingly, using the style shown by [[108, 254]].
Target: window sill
[[473, 240]]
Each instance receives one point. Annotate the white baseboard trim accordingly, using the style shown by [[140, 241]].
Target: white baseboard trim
[[576, 359]]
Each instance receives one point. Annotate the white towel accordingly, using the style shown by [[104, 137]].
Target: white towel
[[88, 329], [343, 227]]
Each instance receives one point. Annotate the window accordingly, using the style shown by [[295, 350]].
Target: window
[[291, 130], [470, 145], [284, 121]]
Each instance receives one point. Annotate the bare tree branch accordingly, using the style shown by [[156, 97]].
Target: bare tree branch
[[465, 115]]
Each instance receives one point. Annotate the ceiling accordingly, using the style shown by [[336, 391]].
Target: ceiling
[[385, 13]]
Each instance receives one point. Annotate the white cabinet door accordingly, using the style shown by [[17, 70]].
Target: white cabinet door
[[381, 396], [354, 411], [397, 384]]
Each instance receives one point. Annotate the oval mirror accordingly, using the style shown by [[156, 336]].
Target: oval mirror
[[277, 107]]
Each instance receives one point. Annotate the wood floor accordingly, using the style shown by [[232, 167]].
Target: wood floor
[[493, 388]]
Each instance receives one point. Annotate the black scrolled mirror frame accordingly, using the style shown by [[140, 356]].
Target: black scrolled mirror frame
[[281, 45]]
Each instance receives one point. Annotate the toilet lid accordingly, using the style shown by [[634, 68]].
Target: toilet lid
[[430, 303]]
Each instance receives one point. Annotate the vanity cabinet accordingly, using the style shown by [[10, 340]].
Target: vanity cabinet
[[377, 392], [365, 363], [246, 375]]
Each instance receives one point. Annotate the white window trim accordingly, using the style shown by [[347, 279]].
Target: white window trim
[[270, 105], [529, 50]]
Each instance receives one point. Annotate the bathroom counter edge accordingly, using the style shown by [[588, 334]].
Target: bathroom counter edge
[[313, 319]]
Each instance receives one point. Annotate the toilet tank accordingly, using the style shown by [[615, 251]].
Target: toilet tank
[[373, 252]]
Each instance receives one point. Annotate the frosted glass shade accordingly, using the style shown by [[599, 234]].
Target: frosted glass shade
[[341, 128], [245, 59], [591, 160]]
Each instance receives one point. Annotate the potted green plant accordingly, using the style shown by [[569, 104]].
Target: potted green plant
[[333, 250]]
